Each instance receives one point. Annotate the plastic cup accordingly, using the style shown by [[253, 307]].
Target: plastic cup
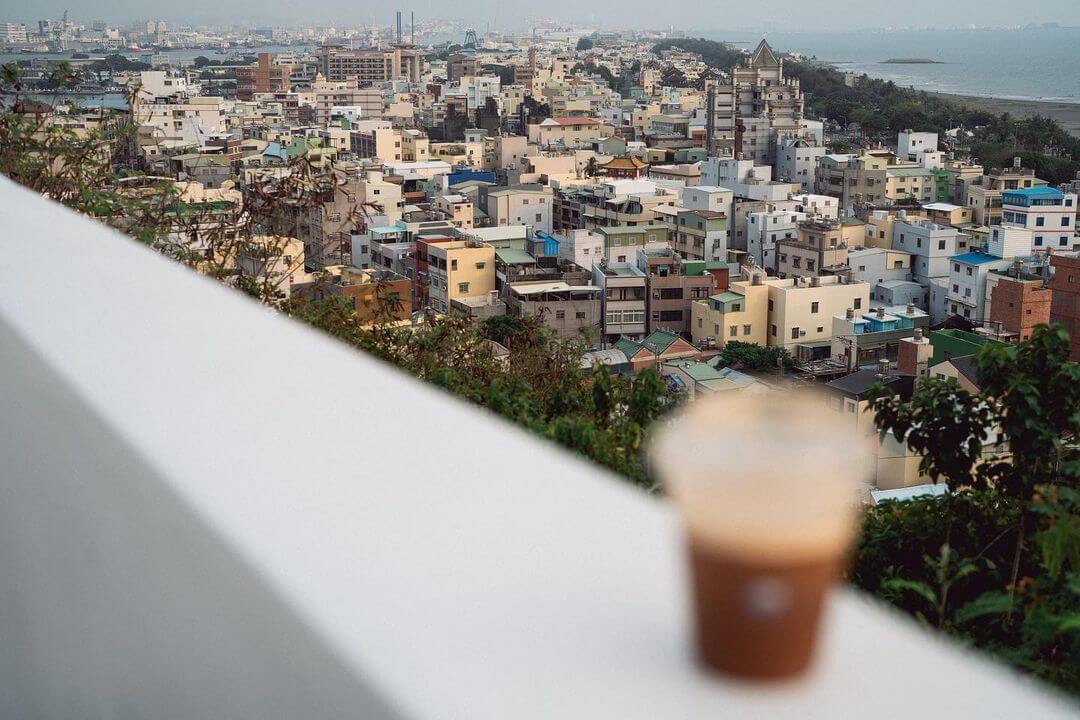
[[768, 492]]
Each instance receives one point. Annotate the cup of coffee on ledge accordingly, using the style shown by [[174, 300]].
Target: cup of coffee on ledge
[[768, 493]]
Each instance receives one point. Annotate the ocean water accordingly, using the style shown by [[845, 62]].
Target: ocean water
[[1038, 63]]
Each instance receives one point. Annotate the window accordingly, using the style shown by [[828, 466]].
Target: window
[[700, 323], [821, 328], [970, 271], [453, 264], [851, 406], [862, 268], [733, 331], [857, 304], [794, 333], [1040, 221], [814, 307], [674, 316], [1038, 240], [772, 330], [940, 244], [560, 314], [736, 307], [539, 217], [1065, 222], [967, 292], [1063, 241], [918, 242]]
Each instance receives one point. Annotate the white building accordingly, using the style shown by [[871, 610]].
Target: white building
[[582, 247], [913, 145], [822, 206], [1035, 219], [745, 179], [966, 295], [930, 245], [707, 197], [797, 161], [13, 33], [764, 229]]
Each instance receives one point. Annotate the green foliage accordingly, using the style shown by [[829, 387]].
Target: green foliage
[[748, 356], [540, 386], [585, 43], [714, 54], [995, 562]]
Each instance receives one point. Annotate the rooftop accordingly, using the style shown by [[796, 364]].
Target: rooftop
[[975, 257]]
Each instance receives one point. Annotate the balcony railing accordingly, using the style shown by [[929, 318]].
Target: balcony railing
[[209, 511]]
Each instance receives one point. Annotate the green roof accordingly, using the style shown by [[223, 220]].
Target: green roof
[[694, 267], [511, 256], [627, 229], [627, 346], [909, 172], [726, 297], [660, 340]]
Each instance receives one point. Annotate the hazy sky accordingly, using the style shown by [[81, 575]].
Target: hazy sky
[[694, 17]]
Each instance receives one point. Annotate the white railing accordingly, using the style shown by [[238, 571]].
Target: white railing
[[202, 515]]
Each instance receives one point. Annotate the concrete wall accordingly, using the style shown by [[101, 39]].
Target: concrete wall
[[193, 526]]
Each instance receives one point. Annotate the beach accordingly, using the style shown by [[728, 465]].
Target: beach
[[1067, 114]]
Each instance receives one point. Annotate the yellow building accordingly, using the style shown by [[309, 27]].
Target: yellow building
[[458, 269], [740, 314]]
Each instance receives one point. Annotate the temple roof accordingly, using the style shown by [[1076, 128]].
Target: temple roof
[[764, 56]]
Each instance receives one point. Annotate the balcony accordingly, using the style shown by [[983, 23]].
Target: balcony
[[194, 524]]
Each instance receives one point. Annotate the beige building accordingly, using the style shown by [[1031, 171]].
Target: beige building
[[741, 313], [819, 247], [378, 140], [415, 146], [801, 310], [459, 269], [458, 208], [568, 131]]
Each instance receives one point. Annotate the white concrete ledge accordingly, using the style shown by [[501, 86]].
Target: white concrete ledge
[[208, 511]]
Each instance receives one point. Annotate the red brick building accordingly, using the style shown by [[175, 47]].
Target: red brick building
[[1065, 298], [1019, 303], [262, 77]]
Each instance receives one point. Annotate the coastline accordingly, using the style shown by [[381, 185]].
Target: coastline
[[1067, 114]]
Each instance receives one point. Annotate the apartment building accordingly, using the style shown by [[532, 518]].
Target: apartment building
[[1065, 297], [1017, 301], [262, 77], [568, 132], [966, 294], [344, 101], [459, 268], [673, 284], [945, 213], [621, 244], [378, 140], [801, 311], [572, 311], [739, 313], [930, 245], [531, 205], [1047, 217], [817, 248], [983, 194], [707, 197], [878, 265], [701, 234], [374, 293], [764, 229], [797, 162], [458, 209], [623, 302], [372, 65]]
